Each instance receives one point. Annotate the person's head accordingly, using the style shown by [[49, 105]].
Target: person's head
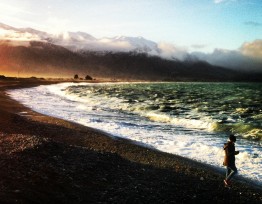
[[232, 138]]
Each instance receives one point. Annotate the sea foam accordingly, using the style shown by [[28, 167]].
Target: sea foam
[[91, 105]]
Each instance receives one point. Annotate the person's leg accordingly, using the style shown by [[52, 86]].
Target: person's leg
[[228, 171], [231, 171]]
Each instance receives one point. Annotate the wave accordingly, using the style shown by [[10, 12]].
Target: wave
[[184, 122], [171, 127], [146, 102], [247, 131]]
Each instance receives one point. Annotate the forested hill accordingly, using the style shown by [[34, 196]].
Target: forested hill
[[45, 60]]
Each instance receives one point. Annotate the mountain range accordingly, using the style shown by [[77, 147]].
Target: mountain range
[[76, 41], [26, 51]]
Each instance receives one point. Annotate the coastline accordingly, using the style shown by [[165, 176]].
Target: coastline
[[49, 160]]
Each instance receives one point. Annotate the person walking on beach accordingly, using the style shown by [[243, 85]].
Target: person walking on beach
[[229, 159]]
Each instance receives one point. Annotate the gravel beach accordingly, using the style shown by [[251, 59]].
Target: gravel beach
[[49, 160]]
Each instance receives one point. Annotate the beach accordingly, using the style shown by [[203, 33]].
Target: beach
[[49, 160]]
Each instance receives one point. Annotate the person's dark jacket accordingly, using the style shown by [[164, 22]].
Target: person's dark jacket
[[229, 159]]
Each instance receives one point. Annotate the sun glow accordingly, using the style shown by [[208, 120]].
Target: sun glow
[[17, 36]]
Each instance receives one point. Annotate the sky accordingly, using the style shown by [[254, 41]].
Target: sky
[[194, 25]]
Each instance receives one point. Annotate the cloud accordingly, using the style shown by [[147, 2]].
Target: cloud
[[198, 46], [247, 58], [84, 41], [252, 49], [57, 25], [253, 23], [109, 44], [18, 36], [170, 51]]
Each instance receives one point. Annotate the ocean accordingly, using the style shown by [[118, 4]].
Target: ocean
[[192, 120]]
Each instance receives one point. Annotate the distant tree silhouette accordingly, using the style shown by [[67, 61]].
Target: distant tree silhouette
[[2, 77], [88, 77], [76, 76]]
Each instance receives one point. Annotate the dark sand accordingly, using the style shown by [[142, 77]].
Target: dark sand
[[48, 160]]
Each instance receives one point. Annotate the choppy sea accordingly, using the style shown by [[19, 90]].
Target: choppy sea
[[188, 119]]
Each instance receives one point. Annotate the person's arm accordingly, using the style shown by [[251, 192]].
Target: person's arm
[[225, 146]]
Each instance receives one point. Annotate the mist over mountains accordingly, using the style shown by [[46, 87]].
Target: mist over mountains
[[76, 41], [26, 51]]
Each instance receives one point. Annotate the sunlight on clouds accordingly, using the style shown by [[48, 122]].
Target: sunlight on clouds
[[252, 49], [247, 58], [115, 45], [18, 36], [4, 33]]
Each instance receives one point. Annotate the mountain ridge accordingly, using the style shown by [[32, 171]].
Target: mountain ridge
[[83, 41], [48, 60], [32, 52]]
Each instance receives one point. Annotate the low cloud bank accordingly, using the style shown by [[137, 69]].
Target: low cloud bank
[[247, 58], [169, 51], [252, 49], [18, 36]]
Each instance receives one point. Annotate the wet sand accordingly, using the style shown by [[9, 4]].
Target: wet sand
[[48, 160]]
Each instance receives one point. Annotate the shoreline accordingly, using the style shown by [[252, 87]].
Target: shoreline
[[122, 171]]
